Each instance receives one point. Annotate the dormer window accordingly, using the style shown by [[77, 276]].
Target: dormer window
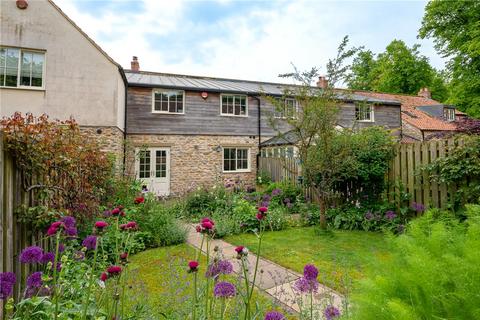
[[449, 114], [364, 113]]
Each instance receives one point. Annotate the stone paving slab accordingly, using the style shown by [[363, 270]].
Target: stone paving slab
[[272, 278]]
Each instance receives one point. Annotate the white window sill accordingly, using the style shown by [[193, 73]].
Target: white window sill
[[24, 88], [367, 121], [173, 113], [238, 171], [233, 115]]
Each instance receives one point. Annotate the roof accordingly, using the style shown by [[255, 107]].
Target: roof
[[212, 84], [287, 138], [413, 115]]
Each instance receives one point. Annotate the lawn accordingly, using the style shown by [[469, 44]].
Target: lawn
[[341, 256], [163, 284]]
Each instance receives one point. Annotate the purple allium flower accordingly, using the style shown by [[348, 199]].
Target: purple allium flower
[[274, 315], [286, 200], [368, 215], [310, 272], [418, 207], [224, 290], [68, 221], [90, 242], [107, 213], [61, 247], [267, 198], [276, 192], [289, 205], [48, 257], [390, 215], [331, 312], [220, 267], [35, 280], [264, 204], [304, 285], [31, 254], [7, 281], [71, 232]]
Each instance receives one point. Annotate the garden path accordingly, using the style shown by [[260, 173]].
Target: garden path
[[272, 278]]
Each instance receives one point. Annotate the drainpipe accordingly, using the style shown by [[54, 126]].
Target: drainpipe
[[125, 82], [259, 126]]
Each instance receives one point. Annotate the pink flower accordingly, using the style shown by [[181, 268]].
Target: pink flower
[[52, 231], [101, 224], [198, 228], [193, 266], [104, 276], [114, 270], [56, 224], [139, 200], [207, 225], [262, 209], [239, 249], [260, 216], [124, 256], [132, 225], [116, 211]]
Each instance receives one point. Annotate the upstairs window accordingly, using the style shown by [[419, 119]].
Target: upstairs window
[[236, 160], [21, 68], [234, 105], [364, 113], [289, 109], [449, 114], [167, 101]]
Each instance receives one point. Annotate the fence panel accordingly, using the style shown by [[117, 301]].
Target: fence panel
[[404, 170]]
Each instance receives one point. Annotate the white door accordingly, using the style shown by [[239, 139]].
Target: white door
[[153, 169]]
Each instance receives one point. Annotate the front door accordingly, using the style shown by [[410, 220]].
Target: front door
[[153, 169]]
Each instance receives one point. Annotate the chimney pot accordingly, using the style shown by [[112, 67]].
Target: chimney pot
[[322, 82], [134, 65], [424, 92]]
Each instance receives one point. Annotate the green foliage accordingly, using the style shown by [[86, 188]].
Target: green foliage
[[462, 168], [263, 178], [431, 273], [455, 29], [399, 69]]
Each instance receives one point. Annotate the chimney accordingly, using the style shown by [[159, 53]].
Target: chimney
[[322, 82], [134, 65], [424, 92]]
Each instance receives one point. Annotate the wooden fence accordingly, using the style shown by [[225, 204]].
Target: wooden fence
[[405, 172], [14, 236]]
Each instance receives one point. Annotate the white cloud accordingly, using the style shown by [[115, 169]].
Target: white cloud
[[257, 45]]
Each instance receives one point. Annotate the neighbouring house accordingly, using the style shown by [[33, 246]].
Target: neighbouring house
[[191, 131], [424, 118], [49, 65]]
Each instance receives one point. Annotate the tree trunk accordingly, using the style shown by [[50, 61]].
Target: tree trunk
[[323, 216]]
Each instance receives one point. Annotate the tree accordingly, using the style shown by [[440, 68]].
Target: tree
[[399, 69], [324, 154], [455, 29]]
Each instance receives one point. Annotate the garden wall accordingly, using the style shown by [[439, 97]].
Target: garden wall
[[405, 172]]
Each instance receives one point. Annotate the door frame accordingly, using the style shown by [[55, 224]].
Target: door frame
[[151, 180]]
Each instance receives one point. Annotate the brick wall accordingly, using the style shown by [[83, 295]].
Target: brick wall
[[195, 160]]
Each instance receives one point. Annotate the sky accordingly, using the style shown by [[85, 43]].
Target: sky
[[254, 40]]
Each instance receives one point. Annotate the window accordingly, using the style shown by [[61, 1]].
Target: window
[[144, 162], [168, 101], [236, 159], [233, 105], [290, 109], [21, 68], [364, 113], [449, 114]]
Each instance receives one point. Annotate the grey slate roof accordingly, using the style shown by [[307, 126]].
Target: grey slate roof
[[199, 83], [288, 138]]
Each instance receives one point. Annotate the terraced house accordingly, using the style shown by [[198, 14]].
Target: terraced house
[[190, 131]]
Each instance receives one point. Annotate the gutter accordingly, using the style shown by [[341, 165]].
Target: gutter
[[125, 82]]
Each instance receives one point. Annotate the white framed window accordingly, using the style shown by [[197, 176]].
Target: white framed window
[[289, 109], [449, 114], [236, 159], [168, 101], [364, 113], [234, 105], [20, 68]]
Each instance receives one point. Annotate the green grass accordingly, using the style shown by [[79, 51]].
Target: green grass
[[163, 286], [341, 256]]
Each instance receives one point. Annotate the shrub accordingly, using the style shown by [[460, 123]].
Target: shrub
[[431, 273]]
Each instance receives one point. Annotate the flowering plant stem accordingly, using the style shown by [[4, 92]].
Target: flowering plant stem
[[90, 282], [245, 275], [55, 280], [249, 295], [223, 309], [195, 299], [311, 305], [207, 293]]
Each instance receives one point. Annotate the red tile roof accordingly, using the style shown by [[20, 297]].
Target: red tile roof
[[414, 116]]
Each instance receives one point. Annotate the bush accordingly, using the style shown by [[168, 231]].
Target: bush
[[431, 273]]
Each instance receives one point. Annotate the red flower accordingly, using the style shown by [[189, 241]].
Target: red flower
[[207, 220], [103, 277], [193, 265], [114, 270], [239, 249], [124, 256], [132, 225], [263, 209], [139, 200], [207, 225], [101, 224], [260, 216], [198, 228], [116, 211], [52, 231], [56, 224]]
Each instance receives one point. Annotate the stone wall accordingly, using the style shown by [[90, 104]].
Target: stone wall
[[411, 131], [110, 139], [195, 160]]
